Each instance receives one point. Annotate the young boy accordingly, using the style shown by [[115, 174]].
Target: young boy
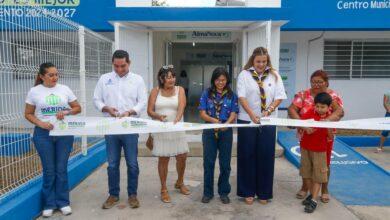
[[314, 144]]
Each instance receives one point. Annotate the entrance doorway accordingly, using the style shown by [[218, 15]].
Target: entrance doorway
[[197, 62], [153, 44]]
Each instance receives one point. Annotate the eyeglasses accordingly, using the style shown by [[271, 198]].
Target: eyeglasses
[[170, 66], [52, 74], [317, 82], [220, 81]]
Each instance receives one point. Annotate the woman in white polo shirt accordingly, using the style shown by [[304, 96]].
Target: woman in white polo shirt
[[46, 101], [260, 91]]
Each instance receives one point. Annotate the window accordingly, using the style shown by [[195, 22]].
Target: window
[[349, 59]]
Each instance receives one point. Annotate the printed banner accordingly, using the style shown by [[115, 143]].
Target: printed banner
[[75, 125]]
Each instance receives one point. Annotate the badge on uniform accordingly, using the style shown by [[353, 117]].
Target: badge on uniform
[[109, 82]]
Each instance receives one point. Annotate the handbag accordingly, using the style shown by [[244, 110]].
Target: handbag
[[149, 143]]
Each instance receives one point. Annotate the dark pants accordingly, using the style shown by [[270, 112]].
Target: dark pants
[[54, 153], [386, 133], [114, 144], [211, 146], [255, 161]]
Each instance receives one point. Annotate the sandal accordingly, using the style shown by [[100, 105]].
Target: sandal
[[182, 188], [249, 200], [165, 196], [325, 198], [263, 202], [378, 150], [301, 194], [311, 206]]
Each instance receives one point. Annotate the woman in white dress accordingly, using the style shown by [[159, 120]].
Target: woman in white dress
[[167, 103]]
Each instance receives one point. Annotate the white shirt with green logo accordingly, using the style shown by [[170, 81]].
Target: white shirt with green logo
[[49, 101]]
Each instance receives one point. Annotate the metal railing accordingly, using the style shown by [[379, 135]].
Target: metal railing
[[31, 35]]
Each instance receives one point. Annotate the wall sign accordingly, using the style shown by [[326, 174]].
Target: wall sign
[[287, 70], [362, 5], [201, 35], [63, 8]]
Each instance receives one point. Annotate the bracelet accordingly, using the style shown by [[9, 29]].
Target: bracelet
[[270, 109]]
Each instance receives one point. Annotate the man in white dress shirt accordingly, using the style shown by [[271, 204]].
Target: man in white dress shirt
[[121, 93]]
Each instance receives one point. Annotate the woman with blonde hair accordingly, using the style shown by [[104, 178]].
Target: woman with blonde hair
[[260, 91]]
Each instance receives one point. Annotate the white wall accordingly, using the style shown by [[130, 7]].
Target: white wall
[[362, 97], [159, 52], [275, 46], [137, 44], [255, 38]]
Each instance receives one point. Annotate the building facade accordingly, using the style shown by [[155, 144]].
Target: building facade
[[348, 38]]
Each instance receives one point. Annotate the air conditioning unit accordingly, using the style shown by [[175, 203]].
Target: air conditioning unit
[[230, 2], [264, 3], [133, 3]]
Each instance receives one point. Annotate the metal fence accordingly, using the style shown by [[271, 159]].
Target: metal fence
[[31, 35]]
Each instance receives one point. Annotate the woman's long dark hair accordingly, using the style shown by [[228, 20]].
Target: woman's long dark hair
[[220, 71], [42, 71]]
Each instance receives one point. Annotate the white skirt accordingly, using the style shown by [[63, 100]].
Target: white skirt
[[169, 144]]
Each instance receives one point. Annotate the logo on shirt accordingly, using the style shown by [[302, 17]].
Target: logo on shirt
[[109, 82], [52, 99], [62, 125], [52, 110]]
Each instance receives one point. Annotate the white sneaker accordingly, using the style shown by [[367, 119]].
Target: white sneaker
[[47, 213], [66, 210]]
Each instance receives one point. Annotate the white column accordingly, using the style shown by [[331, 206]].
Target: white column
[[268, 35], [116, 34], [244, 47], [150, 61], [83, 100]]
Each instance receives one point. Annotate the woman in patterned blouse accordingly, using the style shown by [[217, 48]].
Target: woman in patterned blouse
[[303, 102]]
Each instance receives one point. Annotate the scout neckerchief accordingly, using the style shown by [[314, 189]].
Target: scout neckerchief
[[260, 82], [218, 105]]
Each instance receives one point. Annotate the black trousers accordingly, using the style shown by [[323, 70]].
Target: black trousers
[[255, 161]]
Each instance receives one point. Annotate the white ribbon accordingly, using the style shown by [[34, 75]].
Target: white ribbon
[[74, 125]]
